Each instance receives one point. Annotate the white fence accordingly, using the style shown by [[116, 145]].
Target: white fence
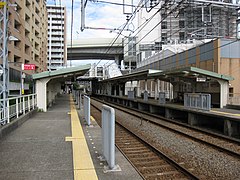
[[197, 101], [17, 106]]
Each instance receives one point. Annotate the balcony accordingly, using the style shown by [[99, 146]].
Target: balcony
[[57, 39], [56, 62], [54, 50], [57, 33], [56, 56]]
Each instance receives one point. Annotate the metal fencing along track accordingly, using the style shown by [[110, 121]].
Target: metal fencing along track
[[147, 160]]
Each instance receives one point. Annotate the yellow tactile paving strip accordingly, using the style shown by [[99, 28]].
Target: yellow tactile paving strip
[[92, 118], [82, 161], [226, 113]]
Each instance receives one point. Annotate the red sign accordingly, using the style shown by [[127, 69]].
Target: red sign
[[28, 66]]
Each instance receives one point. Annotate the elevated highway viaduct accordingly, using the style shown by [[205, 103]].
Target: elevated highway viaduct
[[103, 48]]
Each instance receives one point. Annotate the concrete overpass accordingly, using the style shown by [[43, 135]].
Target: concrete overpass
[[96, 48]]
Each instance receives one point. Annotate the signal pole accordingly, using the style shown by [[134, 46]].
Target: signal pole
[[4, 59]]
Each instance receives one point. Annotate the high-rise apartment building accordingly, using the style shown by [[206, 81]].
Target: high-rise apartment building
[[57, 54], [181, 23], [24, 32], [28, 28]]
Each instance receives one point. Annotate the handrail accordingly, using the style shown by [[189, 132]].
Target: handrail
[[17, 106]]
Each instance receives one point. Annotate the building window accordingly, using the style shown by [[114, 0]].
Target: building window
[[132, 46], [27, 4], [17, 25], [181, 36], [164, 25], [164, 15], [164, 37], [181, 24]]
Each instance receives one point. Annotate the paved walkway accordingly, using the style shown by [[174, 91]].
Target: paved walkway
[[49, 146], [37, 149]]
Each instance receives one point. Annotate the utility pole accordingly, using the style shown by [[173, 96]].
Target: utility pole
[[238, 23], [4, 59]]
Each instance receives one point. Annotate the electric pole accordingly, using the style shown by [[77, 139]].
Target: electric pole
[[4, 69]]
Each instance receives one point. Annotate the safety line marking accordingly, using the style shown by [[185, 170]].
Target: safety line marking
[[92, 118], [82, 160], [225, 113]]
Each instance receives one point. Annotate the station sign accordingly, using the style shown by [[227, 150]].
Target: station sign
[[28, 66], [199, 79]]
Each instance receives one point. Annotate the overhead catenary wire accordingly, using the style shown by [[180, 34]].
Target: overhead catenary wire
[[146, 22], [170, 63], [135, 11], [141, 27], [133, 15], [148, 33]]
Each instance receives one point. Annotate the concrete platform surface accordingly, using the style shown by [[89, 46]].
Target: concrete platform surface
[[94, 141], [37, 149]]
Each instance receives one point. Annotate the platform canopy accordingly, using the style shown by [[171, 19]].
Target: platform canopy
[[135, 76], [63, 73], [191, 73], [48, 83]]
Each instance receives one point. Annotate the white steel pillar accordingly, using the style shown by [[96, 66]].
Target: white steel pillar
[[156, 84], [145, 85], [224, 93], [41, 90], [138, 89], [4, 69]]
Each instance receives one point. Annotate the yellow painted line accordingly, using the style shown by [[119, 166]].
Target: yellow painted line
[[92, 118], [82, 161], [225, 113]]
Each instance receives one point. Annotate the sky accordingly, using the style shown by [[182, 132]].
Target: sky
[[98, 15]]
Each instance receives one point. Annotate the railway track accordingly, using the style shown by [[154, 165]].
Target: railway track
[[145, 158], [218, 142]]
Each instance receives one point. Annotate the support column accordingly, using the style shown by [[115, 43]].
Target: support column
[[192, 119], [145, 85], [115, 90], [119, 88], [109, 89], [224, 93], [228, 128], [41, 91], [118, 62], [151, 87], [138, 89], [156, 83]]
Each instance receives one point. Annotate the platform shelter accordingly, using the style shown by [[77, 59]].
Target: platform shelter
[[48, 83], [183, 80]]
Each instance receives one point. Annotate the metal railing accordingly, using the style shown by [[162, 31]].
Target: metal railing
[[197, 101], [86, 105], [108, 137], [17, 106], [162, 98]]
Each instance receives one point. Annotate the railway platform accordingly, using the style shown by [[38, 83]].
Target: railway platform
[[221, 120], [58, 145]]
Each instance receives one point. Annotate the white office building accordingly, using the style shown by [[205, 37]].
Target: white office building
[[57, 47]]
